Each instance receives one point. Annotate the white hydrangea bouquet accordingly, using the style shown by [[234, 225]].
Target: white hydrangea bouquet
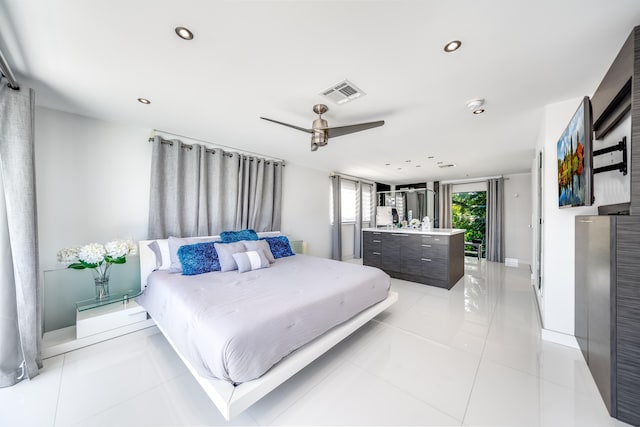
[[99, 258]]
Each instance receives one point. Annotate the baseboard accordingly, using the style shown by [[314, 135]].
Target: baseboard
[[559, 338], [515, 262]]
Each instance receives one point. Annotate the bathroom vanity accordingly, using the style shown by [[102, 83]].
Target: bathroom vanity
[[434, 257]]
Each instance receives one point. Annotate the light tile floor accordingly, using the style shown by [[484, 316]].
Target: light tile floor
[[469, 356]]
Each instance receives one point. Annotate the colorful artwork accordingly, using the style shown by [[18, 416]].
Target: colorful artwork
[[574, 154]]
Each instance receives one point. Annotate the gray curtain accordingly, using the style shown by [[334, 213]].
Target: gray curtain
[[445, 206], [495, 220], [336, 230], [357, 237], [197, 191], [20, 292]]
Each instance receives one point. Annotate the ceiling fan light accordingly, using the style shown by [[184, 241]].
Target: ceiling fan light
[[476, 106]]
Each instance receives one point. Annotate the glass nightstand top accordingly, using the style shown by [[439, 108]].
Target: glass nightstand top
[[88, 304]]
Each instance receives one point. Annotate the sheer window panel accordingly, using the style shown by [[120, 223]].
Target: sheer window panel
[[349, 200]]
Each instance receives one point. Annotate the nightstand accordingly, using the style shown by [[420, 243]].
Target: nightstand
[[98, 321], [99, 316]]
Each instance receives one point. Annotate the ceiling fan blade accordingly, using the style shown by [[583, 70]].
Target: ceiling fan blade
[[345, 130], [288, 125]]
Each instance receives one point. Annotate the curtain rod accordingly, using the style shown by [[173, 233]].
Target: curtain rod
[[275, 159], [6, 71], [471, 180], [351, 178]]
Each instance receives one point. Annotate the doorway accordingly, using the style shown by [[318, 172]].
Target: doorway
[[469, 211]]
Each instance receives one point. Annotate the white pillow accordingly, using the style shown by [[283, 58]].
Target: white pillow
[[160, 248], [250, 260]]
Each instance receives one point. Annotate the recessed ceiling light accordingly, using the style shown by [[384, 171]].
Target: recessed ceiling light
[[439, 163], [387, 164], [475, 105], [418, 166], [430, 157], [407, 161], [144, 101], [452, 46], [399, 169], [184, 33]]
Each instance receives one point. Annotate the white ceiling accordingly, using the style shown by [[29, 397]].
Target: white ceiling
[[272, 58]]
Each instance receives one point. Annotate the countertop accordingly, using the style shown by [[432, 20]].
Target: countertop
[[437, 231]]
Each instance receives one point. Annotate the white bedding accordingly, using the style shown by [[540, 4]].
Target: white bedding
[[236, 326]]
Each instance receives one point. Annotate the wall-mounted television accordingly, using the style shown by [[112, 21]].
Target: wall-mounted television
[[575, 173]]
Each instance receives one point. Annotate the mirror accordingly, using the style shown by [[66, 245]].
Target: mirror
[[407, 204]]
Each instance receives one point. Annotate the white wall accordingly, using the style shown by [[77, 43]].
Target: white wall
[[469, 187], [558, 227], [92, 181], [517, 217], [558, 276], [613, 187], [306, 197]]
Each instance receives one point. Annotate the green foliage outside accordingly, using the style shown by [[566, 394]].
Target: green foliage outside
[[469, 211]]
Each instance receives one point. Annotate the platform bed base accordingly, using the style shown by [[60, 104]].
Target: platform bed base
[[233, 400]]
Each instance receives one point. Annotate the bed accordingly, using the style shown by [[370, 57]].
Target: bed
[[243, 334]]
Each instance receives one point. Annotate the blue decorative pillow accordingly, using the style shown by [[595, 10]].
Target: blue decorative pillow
[[236, 236], [280, 246], [198, 258]]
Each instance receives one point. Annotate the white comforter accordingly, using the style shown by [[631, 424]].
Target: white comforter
[[236, 326]]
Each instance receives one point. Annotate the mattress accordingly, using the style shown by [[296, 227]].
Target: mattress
[[236, 326]]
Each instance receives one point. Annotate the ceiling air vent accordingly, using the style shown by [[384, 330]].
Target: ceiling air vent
[[343, 92]]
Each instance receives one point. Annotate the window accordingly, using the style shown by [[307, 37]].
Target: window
[[348, 200], [367, 202]]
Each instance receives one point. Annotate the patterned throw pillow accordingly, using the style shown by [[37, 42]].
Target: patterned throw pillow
[[236, 236], [198, 258], [251, 260], [280, 246], [175, 243]]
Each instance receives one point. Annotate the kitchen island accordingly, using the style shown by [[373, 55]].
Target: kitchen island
[[434, 257]]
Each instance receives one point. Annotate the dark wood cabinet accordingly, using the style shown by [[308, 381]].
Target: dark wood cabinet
[[607, 255], [431, 259], [607, 301]]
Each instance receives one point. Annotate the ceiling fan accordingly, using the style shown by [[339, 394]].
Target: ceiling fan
[[320, 130]]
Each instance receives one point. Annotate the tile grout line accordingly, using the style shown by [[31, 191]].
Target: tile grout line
[[55, 414], [127, 400], [475, 376], [523, 371], [403, 391], [331, 371], [141, 392], [407, 392]]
